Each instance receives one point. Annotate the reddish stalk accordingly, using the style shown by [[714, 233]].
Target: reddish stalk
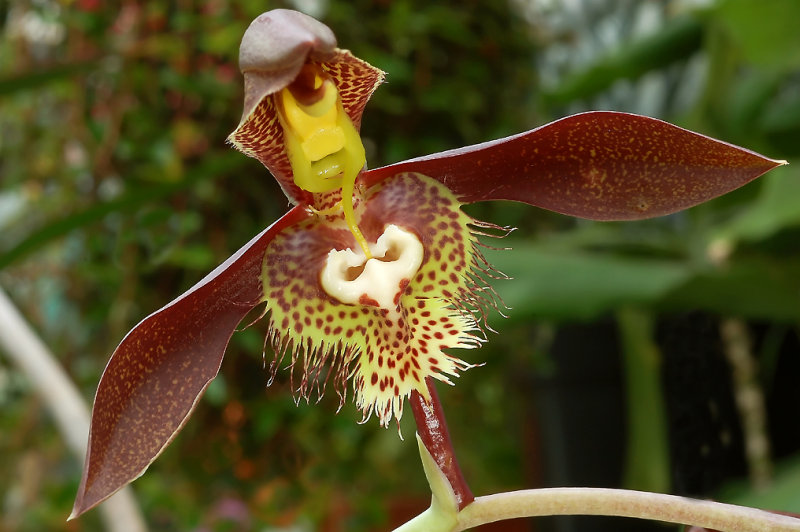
[[432, 429]]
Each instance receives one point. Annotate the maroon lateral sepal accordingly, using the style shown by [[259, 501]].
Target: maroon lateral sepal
[[157, 374]]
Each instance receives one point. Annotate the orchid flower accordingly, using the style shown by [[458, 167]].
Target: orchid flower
[[374, 275]]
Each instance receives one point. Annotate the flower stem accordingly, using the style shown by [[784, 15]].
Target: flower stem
[[432, 429], [623, 503]]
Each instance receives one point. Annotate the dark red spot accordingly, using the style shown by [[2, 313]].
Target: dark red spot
[[367, 301], [374, 379]]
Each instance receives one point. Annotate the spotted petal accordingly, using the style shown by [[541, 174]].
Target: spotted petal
[[598, 165], [161, 368]]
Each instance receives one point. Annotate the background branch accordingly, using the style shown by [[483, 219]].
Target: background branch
[[28, 353]]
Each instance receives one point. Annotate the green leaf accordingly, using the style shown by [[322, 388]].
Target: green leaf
[[751, 287], [677, 40], [766, 31], [780, 495], [774, 209], [647, 456], [580, 285], [35, 79]]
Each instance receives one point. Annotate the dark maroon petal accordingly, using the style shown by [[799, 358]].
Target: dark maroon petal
[[433, 431], [161, 368], [599, 165]]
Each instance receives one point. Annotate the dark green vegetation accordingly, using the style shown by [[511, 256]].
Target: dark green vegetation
[[118, 193]]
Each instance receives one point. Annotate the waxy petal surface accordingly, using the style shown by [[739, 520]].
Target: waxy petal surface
[[599, 165], [161, 368]]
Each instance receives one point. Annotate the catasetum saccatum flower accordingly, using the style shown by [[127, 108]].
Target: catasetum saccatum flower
[[374, 275]]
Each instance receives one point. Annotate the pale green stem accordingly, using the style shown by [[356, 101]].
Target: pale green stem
[[442, 516], [622, 503], [647, 456]]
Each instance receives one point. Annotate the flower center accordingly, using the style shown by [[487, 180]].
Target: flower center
[[323, 146], [353, 278]]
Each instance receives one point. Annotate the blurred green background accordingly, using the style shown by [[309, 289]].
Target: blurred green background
[[632, 352]]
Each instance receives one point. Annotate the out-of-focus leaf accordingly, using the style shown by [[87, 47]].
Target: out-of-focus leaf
[[750, 97], [579, 285], [676, 41], [750, 287], [647, 456], [598, 165], [774, 209], [34, 79], [780, 495], [766, 32], [131, 200], [780, 120]]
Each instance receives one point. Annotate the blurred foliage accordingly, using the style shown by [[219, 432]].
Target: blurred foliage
[[118, 192]]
